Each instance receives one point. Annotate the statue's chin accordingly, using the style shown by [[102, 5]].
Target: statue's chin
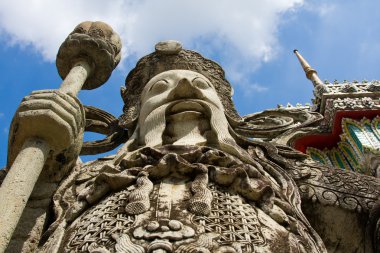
[[186, 127]]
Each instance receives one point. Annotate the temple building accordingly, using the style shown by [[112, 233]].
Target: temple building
[[349, 134]]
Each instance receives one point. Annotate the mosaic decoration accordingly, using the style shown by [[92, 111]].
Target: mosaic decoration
[[358, 140]]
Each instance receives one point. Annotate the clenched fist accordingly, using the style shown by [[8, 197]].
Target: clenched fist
[[50, 115]]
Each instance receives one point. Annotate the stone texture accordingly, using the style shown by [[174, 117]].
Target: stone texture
[[190, 178], [95, 43], [47, 129]]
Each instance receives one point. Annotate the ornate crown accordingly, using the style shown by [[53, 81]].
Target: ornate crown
[[169, 55]]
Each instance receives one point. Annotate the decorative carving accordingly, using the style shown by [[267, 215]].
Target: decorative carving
[[337, 104], [205, 243], [125, 245], [99, 223], [346, 87], [233, 220], [97, 43], [338, 187], [374, 86], [102, 122], [354, 103], [319, 90], [200, 203], [349, 87], [275, 123], [172, 230], [138, 199], [187, 179], [240, 203]]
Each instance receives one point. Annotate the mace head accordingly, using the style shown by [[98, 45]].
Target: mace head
[[97, 44]]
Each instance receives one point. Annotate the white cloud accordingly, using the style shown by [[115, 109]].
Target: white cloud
[[241, 32], [258, 87], [253, 88], [323, 9]]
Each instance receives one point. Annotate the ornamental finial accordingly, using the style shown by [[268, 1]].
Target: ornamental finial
[[311, 73]]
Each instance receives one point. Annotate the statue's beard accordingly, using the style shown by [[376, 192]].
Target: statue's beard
[[153, 131]]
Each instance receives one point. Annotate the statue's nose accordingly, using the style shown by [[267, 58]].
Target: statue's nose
[[185, 89]]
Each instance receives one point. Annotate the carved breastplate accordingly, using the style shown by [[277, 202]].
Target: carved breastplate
[[232, 226], [188, 201]]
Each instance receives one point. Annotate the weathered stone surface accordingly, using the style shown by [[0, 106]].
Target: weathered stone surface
[[95, 43], [168, 47], [189, 180], [51, 115], [47, 129]]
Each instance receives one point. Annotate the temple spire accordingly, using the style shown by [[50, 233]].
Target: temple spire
[[311, 73]]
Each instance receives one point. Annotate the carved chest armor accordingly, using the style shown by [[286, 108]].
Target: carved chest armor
[[186, 210], [232, 226]]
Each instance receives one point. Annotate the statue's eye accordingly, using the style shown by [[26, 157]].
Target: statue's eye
[[200, 83], [160, 86]]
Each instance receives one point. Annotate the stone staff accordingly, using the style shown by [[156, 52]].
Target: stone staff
[[42, 130]]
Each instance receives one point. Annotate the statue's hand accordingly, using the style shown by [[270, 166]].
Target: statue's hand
[[53, 116]]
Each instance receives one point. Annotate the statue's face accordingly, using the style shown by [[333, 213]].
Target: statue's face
[[182, 107], [176, 85]]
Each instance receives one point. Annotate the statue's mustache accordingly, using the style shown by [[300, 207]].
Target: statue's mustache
[[185, 105], [152, 130], [196, 105]]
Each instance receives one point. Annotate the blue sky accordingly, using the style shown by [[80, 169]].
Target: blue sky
[[252, 40]]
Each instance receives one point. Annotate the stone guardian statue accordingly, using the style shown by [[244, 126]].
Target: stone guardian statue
[[188, 178]]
